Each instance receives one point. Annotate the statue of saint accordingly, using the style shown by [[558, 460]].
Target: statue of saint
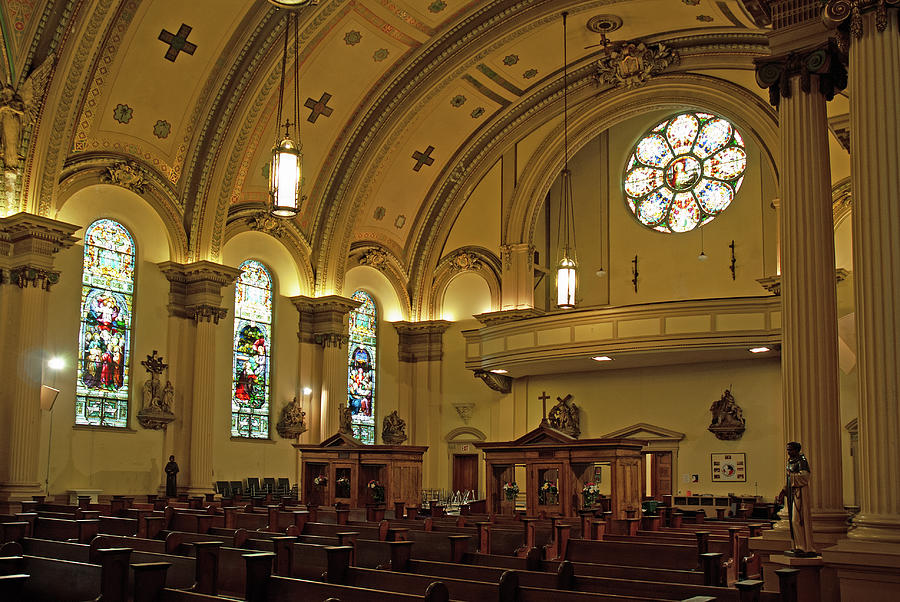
[[12, 118], [345, 420], [171, 472], [393, 429], [796, 492]]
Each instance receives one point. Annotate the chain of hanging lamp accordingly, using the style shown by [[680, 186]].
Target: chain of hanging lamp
[[565, 236], [286, 166]]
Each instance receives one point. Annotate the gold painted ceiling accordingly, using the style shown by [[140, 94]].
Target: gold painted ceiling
[[396, 96]]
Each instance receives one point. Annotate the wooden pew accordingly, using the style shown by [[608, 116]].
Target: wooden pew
[[67, 581], [63, 529]]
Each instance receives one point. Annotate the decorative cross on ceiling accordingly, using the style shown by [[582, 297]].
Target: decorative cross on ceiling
[[318, 107], [423, 158], [177, 42]]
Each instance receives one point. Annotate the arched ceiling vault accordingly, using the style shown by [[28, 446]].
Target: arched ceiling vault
[[186, 91]]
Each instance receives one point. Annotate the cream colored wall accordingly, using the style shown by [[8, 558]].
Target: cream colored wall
[[667, 263], [479, 222], [678, 398], [128, 461]]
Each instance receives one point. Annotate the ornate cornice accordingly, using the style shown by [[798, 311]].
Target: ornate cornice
[[824, 61], [324, 320], [492, 318], [26, 275], [421, 341], [195, 289], [29, 240]]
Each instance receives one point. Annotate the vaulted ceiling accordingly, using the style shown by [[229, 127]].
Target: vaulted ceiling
[[393, 93]]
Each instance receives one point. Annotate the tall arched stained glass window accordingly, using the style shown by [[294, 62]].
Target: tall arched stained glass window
[[684, 172], [252, 343], [361, 367], [104, 350]]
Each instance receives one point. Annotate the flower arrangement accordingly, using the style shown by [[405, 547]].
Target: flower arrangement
[[320, 481], [377, 491], [550, 488], [510, 490], [342, 481], [590, 492], [548, 494]]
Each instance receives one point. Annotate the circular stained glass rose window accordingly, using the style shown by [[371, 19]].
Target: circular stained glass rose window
[[685, 172]]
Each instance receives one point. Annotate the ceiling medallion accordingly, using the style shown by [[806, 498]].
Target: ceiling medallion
[[292, 3], [604, 23]]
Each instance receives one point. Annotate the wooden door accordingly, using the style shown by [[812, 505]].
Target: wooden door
[[465, 473], [662, 474]]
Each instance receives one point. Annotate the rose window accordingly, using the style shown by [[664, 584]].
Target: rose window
[[685, 172]]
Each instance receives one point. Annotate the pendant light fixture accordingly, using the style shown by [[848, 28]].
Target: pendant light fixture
[[567, 266], [286, 168]]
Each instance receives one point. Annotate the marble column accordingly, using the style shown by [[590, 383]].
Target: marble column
[[800, 84], [875, 165], [28, 244], [195, 299], [322, 334], [421, 352]]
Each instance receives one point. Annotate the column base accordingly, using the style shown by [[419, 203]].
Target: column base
[[866, 570], [17, 492], [876, 528], [829, 526]]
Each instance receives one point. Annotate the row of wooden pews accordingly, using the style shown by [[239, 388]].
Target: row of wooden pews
[[257, 552]]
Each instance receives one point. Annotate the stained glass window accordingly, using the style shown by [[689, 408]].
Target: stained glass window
[[361, 367], [104, 350], [251, 352], [685, 172]]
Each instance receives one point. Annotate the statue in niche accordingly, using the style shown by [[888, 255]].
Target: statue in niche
[[728, 422], [393, 429], [158, 400], [292, 423], [345, 420], [564, 417]]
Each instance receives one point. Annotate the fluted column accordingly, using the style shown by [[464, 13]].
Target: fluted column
[[801, 82], [27, 246], [875, 156], [421, 352], [195, 298], [322, 335]]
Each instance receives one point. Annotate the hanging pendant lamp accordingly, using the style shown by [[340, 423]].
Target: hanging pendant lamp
[[286, 168], [567, 265]]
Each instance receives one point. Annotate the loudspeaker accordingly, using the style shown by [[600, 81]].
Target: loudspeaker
[[48, 397]]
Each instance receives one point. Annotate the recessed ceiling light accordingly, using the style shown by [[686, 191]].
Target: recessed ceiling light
[[499, 371], [759, 349], [602, 358]]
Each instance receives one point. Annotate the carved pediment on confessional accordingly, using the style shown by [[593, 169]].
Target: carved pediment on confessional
[[647, 432], [341, 440], [544, 435]]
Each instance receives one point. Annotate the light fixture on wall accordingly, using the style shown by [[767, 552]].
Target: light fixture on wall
[[567, 266], [286, 168], [702, 255]]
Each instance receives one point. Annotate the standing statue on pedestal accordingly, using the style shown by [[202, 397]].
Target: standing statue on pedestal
[[171, 478], [796, 492]]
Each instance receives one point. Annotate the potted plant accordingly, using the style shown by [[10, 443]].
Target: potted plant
[[377, 491], [548, 494], [510, 490], [590, 492]]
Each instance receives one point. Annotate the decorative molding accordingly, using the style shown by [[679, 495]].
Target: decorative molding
[[632, 64], [841, 201], [494, 318], [773, 283], [462, 261], [265, 223], [846, 15], [825, 61], [421, 341], [375, 258], [324, 320], [464, 411], [126, 174], [474, 433], [498, 382], [840, 127], [195, 289], [23, 276]]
